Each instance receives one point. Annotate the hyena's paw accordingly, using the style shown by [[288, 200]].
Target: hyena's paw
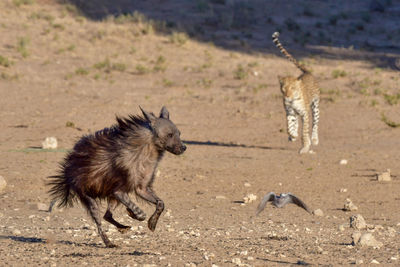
[[124, 229], [315, 141], [304, 150], [140, 216]]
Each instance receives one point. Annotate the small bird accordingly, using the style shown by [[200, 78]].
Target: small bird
[[280, 201]]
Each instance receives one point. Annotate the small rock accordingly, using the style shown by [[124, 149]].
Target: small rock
[[384, 176], [16, 232], [247, 184], [49, 143], [393, 258], [220, 197], [318, 212], [349, 206], [367, 239], [343, 162], [375, 262], [249, 198], [357, 222], [343, 190], [236, 261], [355, 237], [341, 227], [3, 183], [42, 207], [358, 262]]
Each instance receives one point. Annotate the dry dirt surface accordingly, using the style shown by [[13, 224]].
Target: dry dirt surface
[[66, 70]]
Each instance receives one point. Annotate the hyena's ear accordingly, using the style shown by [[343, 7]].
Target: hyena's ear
[[164, 113], [150, 117]]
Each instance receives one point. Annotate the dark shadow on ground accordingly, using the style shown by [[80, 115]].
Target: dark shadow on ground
[[274, 262], [369, 30], [23, 239], [212, 143]]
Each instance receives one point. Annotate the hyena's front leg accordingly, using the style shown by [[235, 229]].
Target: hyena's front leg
[[315, 114], [306, 136], [292, 123], [133, 210], [147, 194]]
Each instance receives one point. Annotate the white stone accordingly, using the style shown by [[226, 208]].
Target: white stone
[[42, 207], [343, 162], [318, 212], [343, 190], [384, 176], [375, 262], [237, 261], [247, 184], [16, 232], [341, 228], [220, 197], [49, 143], [367, 239], [3, 183], [349, 206], [249, 198]]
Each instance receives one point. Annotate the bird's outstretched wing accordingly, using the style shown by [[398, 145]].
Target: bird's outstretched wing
[[268, 197], [298, 202]]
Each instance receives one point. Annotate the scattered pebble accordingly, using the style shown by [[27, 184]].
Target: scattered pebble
[[343, 190], [3, 183], [367, 239], [343, 162], [236, 261], [249, 198], [349, 206], [42, 207], [247, 184], [49, 143], [220, 197], [357, 222], [341, 227], [16, 232], [355, 237], [358, 262], [374, 262], [318, 212], [384, 176]]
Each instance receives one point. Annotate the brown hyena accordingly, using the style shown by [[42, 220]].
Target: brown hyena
[[114, 162]]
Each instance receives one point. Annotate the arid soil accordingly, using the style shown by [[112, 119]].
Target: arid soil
[[64, 73]]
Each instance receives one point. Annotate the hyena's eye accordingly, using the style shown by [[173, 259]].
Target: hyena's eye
[[170, 135]]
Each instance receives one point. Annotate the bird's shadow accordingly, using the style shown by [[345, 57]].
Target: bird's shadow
[[24, 239], [299, 262], [230, 144]]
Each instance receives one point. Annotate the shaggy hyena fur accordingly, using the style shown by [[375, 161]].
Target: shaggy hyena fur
[[114, 162]]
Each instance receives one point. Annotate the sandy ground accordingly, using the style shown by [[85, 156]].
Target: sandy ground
[[65, 75]]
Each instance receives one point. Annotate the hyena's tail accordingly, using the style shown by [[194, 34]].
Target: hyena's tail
[[60, 191], [286, 53]]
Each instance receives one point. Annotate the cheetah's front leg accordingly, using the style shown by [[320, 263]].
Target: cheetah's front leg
[[293, 124], [306, 137]]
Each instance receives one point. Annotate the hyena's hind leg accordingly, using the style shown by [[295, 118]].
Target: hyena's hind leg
[[94, 211], [292, 123], [315, 115], [133, 210], [108, 216]]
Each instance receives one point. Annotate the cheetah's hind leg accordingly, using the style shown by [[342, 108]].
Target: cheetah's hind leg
[[315, 116]]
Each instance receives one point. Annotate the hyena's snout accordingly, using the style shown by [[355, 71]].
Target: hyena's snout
[[178, 148]]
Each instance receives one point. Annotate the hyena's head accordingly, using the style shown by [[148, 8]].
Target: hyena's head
[[165, 134], [289, 86]]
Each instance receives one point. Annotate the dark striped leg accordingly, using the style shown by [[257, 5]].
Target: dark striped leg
[[133, 210], [94, 211], [108, 216], [149, 195]]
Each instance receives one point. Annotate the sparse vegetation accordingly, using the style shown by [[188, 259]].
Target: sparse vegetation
[[5, 62], [179, 38], [22, 46], [338, 73], [107, 66], [81, 71], [23, 2], [240, 73], [140, 69], [392, 99], [389, 122]]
